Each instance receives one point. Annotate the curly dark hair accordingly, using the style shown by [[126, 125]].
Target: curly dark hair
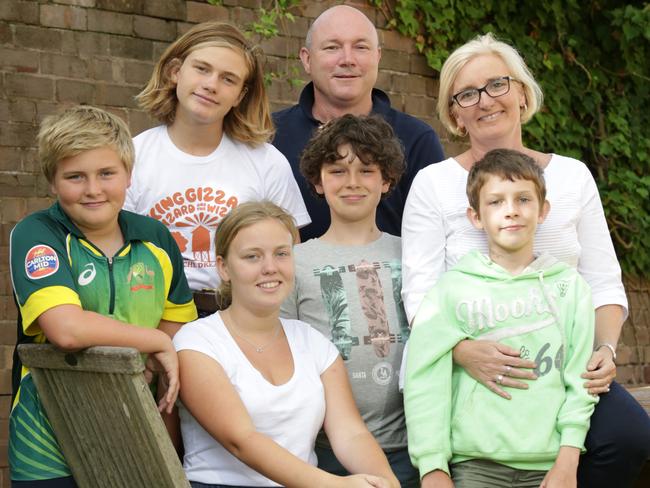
[[372, 139]]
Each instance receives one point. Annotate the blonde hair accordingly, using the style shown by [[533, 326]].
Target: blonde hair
[[250, 121], [480, 45], [78, 129], [240, 217]]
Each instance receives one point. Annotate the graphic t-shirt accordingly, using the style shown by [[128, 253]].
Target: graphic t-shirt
[[53, 264], [191, 194], [352, 295]]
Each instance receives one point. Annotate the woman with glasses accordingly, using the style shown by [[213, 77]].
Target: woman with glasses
[[486, 93]]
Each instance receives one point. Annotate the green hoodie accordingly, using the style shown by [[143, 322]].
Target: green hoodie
[[546, 313]]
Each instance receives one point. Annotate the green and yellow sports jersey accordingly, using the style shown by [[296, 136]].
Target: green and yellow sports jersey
[[53, 264]]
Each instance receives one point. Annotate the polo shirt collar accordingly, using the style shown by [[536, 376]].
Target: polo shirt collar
[[380, 102]]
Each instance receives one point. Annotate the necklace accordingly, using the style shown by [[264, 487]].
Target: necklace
[[258, 349]]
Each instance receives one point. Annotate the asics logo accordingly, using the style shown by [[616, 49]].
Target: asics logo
[[87, 275]]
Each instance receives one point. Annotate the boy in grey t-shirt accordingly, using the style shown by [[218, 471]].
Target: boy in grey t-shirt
[[348, 281]]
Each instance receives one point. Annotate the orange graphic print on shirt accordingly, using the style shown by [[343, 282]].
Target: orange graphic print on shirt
[[192, 216]]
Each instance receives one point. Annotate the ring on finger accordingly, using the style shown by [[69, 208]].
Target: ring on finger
[[508, 368], [499, 379]]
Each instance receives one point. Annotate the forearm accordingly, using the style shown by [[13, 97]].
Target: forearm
[[361, 453], [270, 459], [71, 328], [609, 322]]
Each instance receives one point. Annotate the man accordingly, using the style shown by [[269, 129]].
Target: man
[[341, 55]]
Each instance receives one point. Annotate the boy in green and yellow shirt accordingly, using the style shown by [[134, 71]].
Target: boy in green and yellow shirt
[[86, 273]]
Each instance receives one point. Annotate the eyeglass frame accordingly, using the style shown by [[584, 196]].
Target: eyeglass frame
[[483, 89]]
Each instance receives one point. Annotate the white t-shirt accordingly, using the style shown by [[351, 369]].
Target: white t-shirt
[[436, 232], [291, 414], [191, 194]]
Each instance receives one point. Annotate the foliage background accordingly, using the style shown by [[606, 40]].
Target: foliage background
[[591, 58]]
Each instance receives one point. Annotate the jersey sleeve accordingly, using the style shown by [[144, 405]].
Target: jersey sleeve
[[40, 270], [179, 304], [281, 187]]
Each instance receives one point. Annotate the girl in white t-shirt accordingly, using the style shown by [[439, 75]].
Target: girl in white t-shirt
[[211, 152], [256, 389]]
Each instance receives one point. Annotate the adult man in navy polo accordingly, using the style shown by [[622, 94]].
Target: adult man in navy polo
[[341, 55]]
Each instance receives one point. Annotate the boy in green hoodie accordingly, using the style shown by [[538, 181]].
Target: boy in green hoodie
[[457, 429]]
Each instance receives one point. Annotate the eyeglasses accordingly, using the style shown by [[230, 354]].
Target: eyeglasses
[[495, 88]]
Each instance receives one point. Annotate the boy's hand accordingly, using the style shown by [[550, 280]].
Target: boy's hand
[[601, 371], [563, 474], [494, 365], [165, 362], [437, 479]]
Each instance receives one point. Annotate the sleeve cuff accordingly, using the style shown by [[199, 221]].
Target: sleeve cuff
[[432, 462], [574, 436], [182, 313]]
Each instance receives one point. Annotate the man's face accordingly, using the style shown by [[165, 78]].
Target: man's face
[[343, 58]]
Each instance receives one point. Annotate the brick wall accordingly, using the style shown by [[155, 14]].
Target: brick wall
[[102, 52]]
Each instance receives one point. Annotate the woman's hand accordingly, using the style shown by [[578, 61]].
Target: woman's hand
[[494, 365], [601, 371]]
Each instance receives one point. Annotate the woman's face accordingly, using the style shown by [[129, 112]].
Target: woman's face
[[259, 266], [492, 119]]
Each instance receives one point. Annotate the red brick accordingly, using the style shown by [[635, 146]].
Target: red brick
[[127, 47], [200, 12], [92, 43], [298, 28], [64, 65], [6, 360], [390, 39], [8, 333], [281, 46], [110, 22], [167, 9], [17, 134], [418, 65], [34, 204], [11, 157], [254, 4], [5, 33], [137, 72], [63, 17], [139, 121], [158, 49], [75, 91], [314, 9], [37, 37], [78, 3], [150, 28], [16, 11], [182, 28], [12, 210], [17, 110], [131, 6], [394, 60], [117, 95], [18, 58], [5, 379], [5, 405], [420, 106], [243, 16], [107, 69], [384, 80]]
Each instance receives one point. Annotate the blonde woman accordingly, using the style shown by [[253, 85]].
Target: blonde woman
[[256, 389]]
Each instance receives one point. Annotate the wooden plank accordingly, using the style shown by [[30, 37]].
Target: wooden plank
[[642, 395], [97, 359], [107, 423]]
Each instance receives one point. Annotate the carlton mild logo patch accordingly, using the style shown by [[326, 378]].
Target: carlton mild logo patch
[[41, 261]]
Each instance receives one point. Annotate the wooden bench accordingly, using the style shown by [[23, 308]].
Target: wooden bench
[[104, 416], [642, 395]]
